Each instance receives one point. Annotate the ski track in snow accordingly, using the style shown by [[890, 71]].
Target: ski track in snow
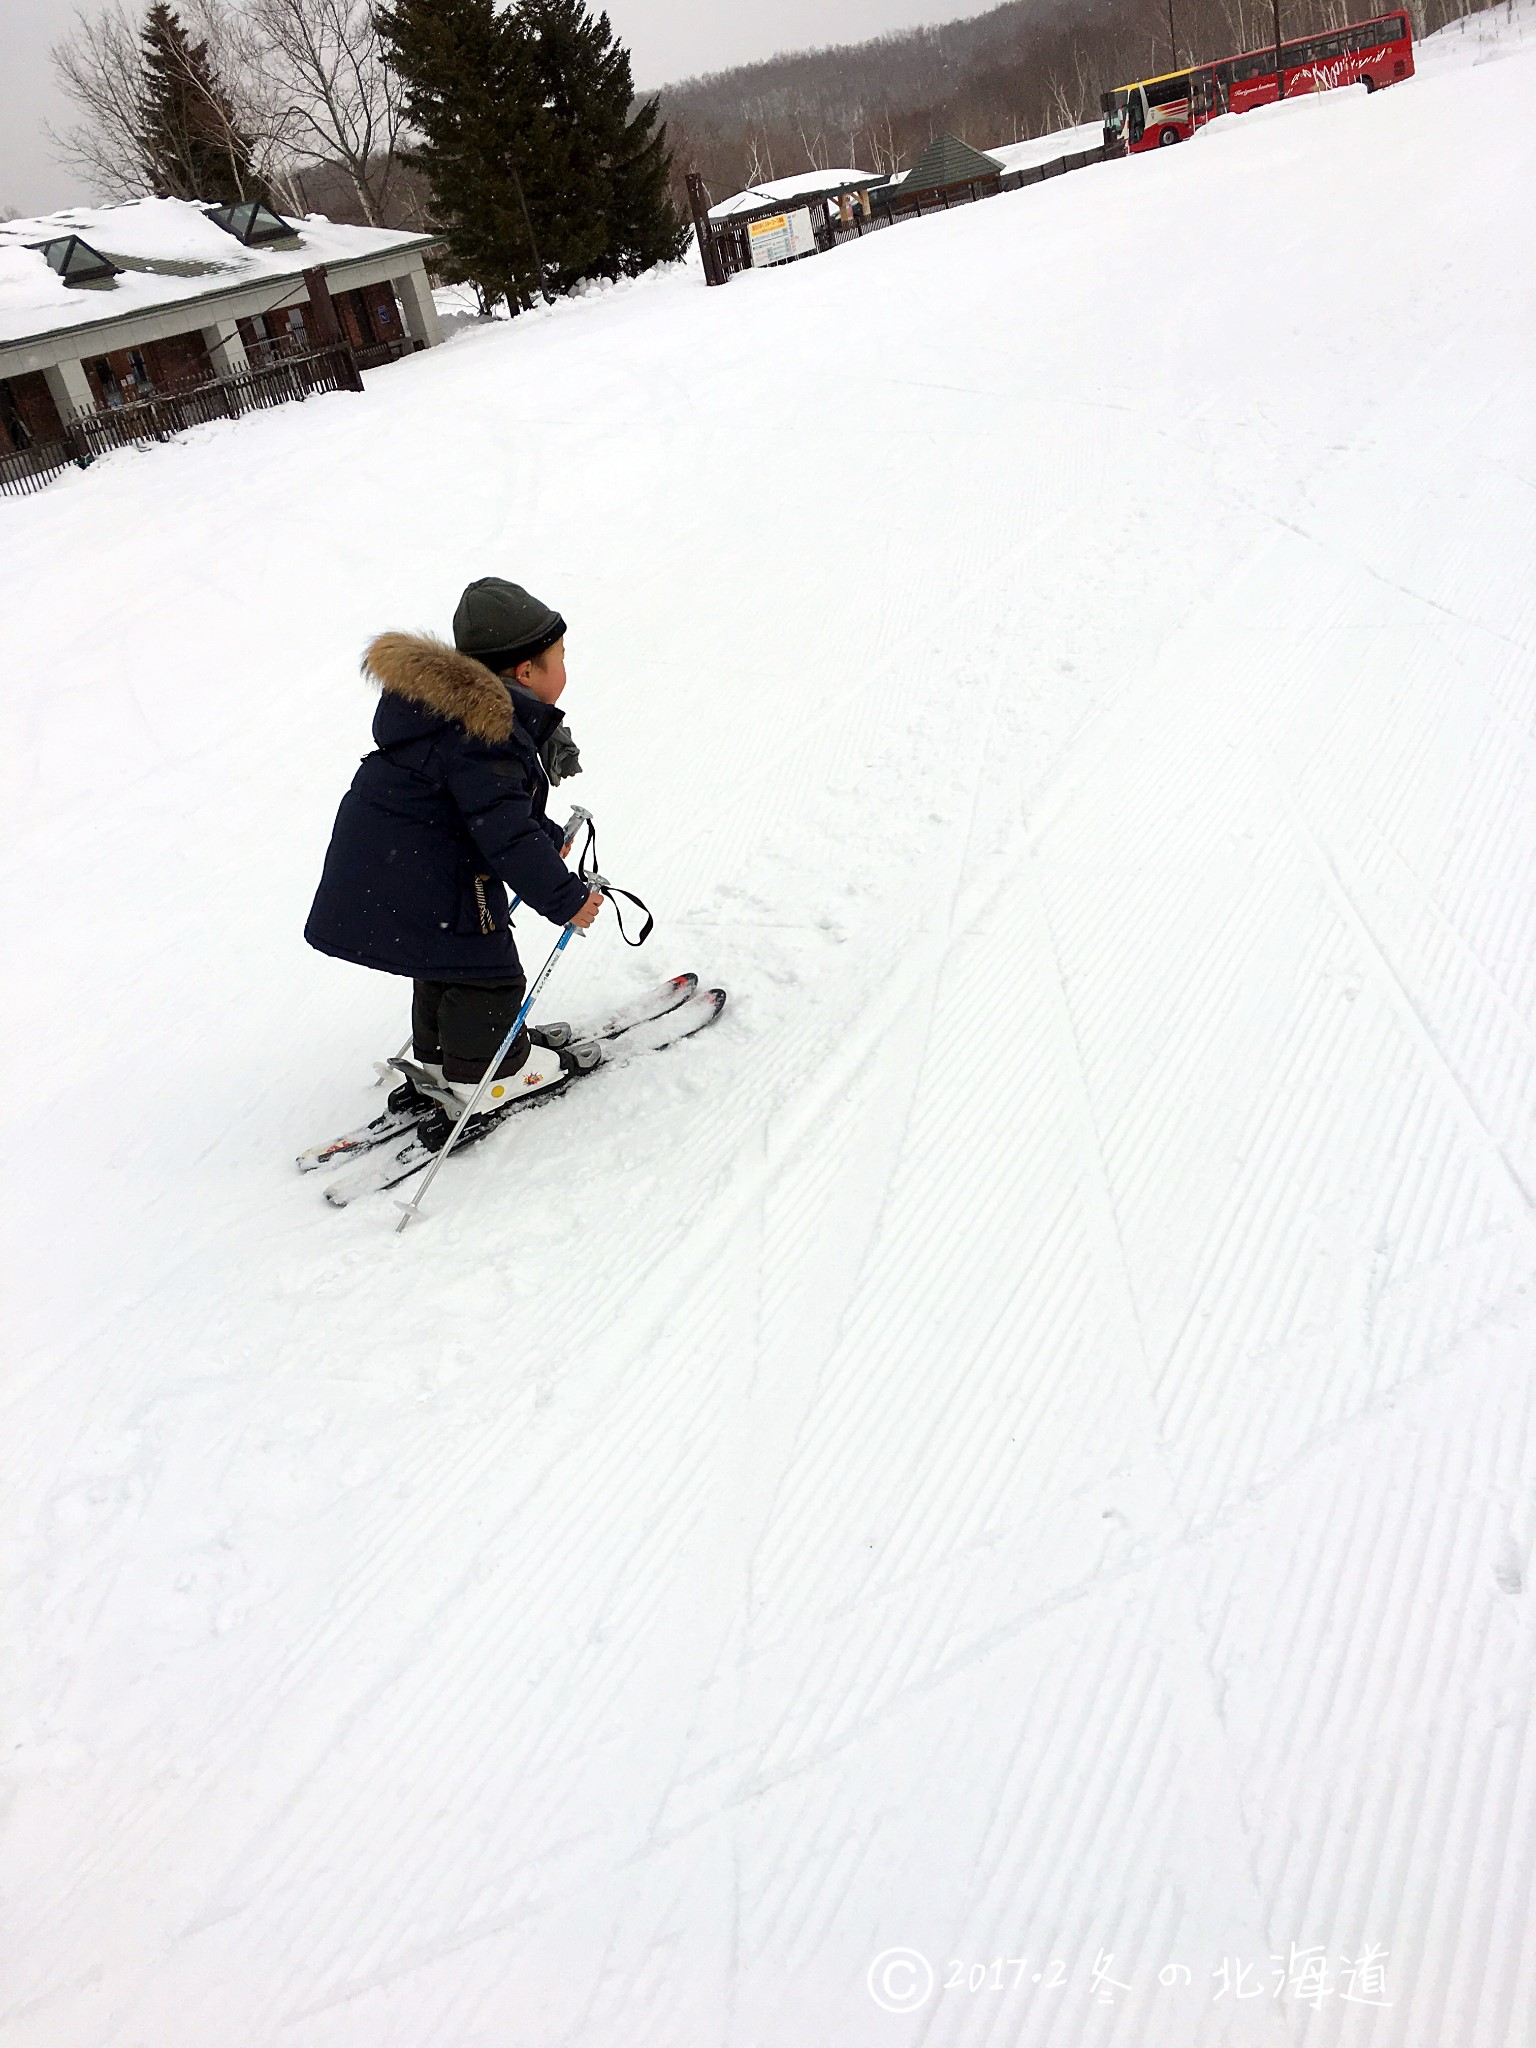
[[1015, 1445]]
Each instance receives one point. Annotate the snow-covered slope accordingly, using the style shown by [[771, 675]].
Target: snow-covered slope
[[1017, 1446]]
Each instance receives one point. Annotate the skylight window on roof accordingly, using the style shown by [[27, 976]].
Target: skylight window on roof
[[76, 261], [252, 222]]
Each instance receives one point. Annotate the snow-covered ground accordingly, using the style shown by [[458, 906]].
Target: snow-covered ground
[[1015, 1447]]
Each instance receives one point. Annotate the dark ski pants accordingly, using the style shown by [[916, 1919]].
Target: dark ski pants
[[459, 1024]]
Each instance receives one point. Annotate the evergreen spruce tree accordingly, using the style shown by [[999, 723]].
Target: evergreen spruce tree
[[471, 99], [542, 171], [190, 134], [599, 191], [646, 227]]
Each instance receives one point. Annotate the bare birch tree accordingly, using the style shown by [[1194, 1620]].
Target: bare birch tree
[[335, 100], [814, 146], [102, 70], [1070, 103], [759, 162]]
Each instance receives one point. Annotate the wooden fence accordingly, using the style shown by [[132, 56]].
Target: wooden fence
[[725, 246], [34, 468], [162, 414], [373, 355]]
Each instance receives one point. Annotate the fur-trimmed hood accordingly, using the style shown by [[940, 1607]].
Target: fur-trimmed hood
[[427, 672]]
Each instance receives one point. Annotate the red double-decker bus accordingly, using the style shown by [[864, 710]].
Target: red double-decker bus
[[1156, 111]]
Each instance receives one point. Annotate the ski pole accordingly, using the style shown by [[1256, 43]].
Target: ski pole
[[409, 1209], [573, 825]]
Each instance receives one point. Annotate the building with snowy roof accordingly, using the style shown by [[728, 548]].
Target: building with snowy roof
[[947, 167], [781, 219], [103, 306], [829, 187]]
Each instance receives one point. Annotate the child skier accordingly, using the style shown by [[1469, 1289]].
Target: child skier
[[442, 818]]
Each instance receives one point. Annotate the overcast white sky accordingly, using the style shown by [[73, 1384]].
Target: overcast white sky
[[668, 39]]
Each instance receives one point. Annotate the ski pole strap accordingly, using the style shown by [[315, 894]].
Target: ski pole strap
[[586, 867], [581, 821], [613, 894]]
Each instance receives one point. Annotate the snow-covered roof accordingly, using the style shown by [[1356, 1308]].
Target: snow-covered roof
[[781, 191], [166, 250], [949, 161]]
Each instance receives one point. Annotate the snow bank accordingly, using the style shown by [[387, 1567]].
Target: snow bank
[[1016, 1448], [1045, 149]]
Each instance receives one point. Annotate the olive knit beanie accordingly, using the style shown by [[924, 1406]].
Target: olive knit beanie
[[501, 624]]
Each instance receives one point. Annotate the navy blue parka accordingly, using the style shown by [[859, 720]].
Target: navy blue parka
[[443, 817]]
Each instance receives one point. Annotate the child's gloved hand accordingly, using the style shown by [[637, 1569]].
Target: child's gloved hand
[[588, 910]]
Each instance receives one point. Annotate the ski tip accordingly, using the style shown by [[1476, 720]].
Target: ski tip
[[328, 1155], [701, 1010], [323, 1155]]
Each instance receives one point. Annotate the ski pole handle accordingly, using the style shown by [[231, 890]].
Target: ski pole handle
[[596, 886], [573, 824]]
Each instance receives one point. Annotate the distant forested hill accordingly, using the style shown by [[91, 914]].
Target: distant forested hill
[[1020, 70]]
